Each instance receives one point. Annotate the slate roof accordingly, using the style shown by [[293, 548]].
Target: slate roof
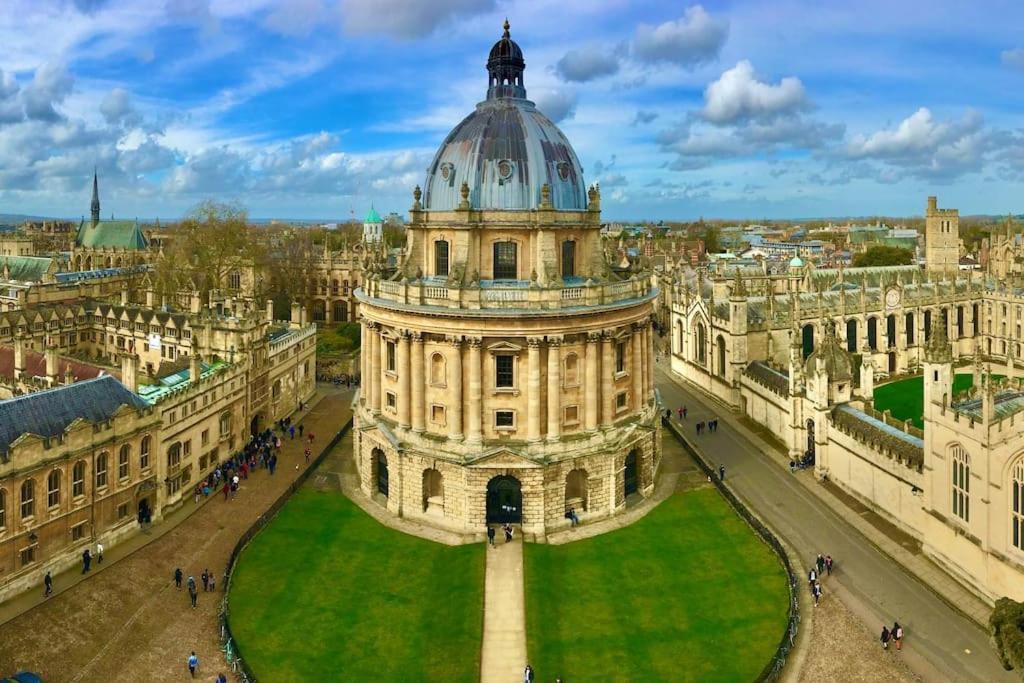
[[48, 413], [111, 235], [25, 268], [878, 435], [35, 366]]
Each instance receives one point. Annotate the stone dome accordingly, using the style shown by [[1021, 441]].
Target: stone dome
[[506, 150], [830, 357]]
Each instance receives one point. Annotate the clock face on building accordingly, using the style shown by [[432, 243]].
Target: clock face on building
[[892, 298]]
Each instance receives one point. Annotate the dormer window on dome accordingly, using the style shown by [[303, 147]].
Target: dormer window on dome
[[505, 68]]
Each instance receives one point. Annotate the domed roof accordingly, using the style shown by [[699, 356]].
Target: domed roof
[[372, 216], [506, 150], [830, 357], [796, 262]]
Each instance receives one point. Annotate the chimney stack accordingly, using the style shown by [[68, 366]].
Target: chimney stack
[[51, 364], [124, 296], [195, 369], [19, 357], [150, 298], [270, 310], [130, 372], [296, 314]]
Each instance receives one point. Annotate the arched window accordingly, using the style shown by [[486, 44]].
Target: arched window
[[234, 280], [807, 340], [890, 331], [174, 455], [721, 356], [438, 370], [28, 499], [959, 322], [334, 287], [506, 263], [3, 508], [927, 325], [873, 333], [123, 462], [569, 258], [275, 390], [53, 489], [1017, 511], [961, 483], [851, 335], [909, 329], [144, 452], [78, 479], [101, 470], [441, 258], [225, 424], [679, 337], [700, 352], [571, 373]]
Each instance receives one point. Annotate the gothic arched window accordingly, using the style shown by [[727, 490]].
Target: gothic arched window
[[961, 487]]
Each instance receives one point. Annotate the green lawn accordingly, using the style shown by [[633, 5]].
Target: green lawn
[[688, 593], [325, 593], [905, 398]]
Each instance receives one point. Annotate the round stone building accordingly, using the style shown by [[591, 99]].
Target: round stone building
[[507, 373]]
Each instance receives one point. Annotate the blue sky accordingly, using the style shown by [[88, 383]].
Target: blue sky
[[316, 108]]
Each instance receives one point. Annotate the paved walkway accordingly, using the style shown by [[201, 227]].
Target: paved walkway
[[504, 648], [128, 622], [941, 643]]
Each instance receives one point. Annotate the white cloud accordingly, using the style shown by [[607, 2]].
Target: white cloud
[[587, 63], [557, 104], [117, 108], [1013, 58], [406, 18], [693, 39], [50, 85], [296, 18], [738, 95]]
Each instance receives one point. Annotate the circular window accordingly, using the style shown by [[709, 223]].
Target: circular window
[[563, 170], [504, 169], [446, 171]]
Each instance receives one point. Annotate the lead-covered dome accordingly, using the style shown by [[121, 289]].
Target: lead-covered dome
[[506, 150]]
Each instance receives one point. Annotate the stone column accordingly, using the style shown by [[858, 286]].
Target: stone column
[[533, 389], [455, 408], [592, 397], [417, 378], [375, 369], [554, 388], [638, 366], [404, 384], [649, 363], [473, 427], [364, 356], [607, 379]]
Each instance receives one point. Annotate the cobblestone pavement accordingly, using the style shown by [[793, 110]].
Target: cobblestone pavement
[[128, 622], [842, 649]]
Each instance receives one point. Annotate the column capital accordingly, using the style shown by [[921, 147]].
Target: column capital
[[404, 335], [534, 342], [475, 342], [607, 336], [417, 337], [640, 326], [593, 337], [454, 341], [371, 325], [555, 341]]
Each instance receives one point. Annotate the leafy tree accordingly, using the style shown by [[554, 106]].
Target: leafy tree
[[1006, 629], [883, 256], [213, 241], [712, 239]]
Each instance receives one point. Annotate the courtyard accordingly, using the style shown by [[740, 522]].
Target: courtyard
[[904, 398]]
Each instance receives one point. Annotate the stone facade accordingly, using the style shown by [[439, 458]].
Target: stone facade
[[800, 355], [507, 373]]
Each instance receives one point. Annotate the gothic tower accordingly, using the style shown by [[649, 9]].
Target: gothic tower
[[941, 238], [95, 199]]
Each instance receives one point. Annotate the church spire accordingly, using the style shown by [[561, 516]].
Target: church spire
[[95, 198]]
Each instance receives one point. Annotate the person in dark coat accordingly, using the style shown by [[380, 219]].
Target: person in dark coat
[[86, 560], [886, 636], [48, 584], [490, 534], [177, 578]]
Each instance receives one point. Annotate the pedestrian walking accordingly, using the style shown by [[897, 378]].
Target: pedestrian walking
[[99, 553], [820, 561], [680, 412], [307, 456], [291, 431], [812, 576], [885, 638], [86, 560], [685, 411], [48, 585], [301, 427], [193, 593], [205, 577], [177, 578], [227, 488], [828, 564], [213, 583], [193, 663], [817, 593], [490, 534], [312, 437], [528, 674], [508, 533], [721, 472], [897, 635]]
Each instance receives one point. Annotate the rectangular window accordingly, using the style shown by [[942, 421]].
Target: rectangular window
[[28, 555], [122, 511], [569, 258], [437, 415], [620, 357], [620, 400], [78, 532], [505, 261], [78, 480], [440, 258], [122, 466], [391, 356], [101, 471], [392, 401], [504, 372], [504, 419], [202, 463], [571, 415], [205, 437]]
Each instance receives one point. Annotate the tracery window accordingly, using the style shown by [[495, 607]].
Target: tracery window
[[1017, 510], [961, 483]]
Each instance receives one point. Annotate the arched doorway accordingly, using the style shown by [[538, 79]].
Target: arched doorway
[[892, 362], [433, 491], [380, 466], [631, 476], [504, 500], [576, 490], [145, 514], [810, 440], [254, 424]]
